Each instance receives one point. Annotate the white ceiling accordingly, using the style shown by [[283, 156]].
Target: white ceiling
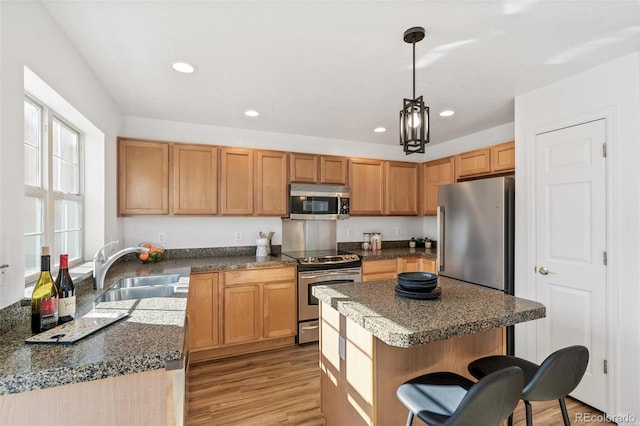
[[338, 69]]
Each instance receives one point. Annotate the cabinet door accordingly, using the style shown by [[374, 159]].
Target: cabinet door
[[203, 309], [271, 183], [303, 168], [366, 179], [279, 309], [473, 163], [409, 264], [236, 178], [401, 188], [373, 270], [429, 265], [242, 314], [435, 173], [195, 179], [503, 157], [143, 177], [334, 170]]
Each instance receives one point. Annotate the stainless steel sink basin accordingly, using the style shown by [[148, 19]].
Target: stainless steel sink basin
[[148, 280], [117, 294]]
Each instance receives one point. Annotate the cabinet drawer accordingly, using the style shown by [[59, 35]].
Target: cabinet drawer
[[379, 266], [252, 276]]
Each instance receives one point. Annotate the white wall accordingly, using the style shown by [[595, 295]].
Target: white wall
[[612, 88], [30, 38]]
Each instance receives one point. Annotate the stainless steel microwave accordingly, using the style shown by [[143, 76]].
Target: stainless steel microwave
[[318, 202]]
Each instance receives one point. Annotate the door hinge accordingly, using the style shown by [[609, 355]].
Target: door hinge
[[605, 366], [604, 258], [604, 149]]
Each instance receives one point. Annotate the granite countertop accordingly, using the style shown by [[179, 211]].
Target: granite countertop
[[149, 338], [394, 253], [398, 321]]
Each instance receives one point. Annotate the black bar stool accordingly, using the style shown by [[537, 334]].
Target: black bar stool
[[555, 378], [448, 399]]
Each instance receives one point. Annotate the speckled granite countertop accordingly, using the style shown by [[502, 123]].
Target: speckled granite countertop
[[394, 253], [149, 338], [398, 321]]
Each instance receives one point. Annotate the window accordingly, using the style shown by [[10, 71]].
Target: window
[[53, 187]]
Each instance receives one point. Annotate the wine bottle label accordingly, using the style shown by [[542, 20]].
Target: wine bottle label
[[48, 313], [66, 306]]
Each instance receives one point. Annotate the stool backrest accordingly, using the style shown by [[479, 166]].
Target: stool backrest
[[558, 375], [491, 400]]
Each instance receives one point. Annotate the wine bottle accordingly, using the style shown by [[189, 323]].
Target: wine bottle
[[66, 292], [44, 300]]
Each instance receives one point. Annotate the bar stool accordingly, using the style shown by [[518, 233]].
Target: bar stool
[[555, 378], [448, 399]]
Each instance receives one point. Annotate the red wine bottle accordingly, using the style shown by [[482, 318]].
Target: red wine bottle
[[66, 292], [44, 300]]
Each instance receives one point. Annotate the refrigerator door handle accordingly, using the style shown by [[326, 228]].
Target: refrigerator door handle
[[440, 244]]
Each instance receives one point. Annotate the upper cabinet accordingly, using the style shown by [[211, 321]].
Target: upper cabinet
[[143, 177], [503, 157], [494, 159], [194, 179], [270, 183], [401, 188], [236, 179], [435, 173], [324, 169], [367, 187]]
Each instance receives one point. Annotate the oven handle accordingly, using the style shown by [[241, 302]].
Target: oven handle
[[313, 275]]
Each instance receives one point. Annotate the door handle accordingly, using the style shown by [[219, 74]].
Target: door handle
[[4, 266], [543, 270]]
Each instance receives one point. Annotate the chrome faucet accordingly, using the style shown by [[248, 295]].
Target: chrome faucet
[[101, 263]]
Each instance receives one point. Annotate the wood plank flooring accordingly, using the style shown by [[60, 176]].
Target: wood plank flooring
[[282, 387]]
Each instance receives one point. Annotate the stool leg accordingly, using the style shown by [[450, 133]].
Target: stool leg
[[565, 415], [510, 421], [409, 418], [527, 409]]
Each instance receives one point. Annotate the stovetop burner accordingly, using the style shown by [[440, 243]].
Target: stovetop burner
[[325, 259]]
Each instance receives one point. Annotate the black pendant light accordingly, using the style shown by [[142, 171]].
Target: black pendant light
[[414, 116]]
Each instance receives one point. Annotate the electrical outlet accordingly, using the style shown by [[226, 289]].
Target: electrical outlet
[[349, 233], [397, 232], [161, 237], [238, 236]]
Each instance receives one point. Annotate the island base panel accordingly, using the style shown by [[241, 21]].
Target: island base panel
[[360, 373]]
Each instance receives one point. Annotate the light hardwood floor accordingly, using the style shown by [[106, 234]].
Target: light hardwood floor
[[282, 387]]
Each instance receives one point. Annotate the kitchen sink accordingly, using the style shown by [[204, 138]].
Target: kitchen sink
[[141, 292], [146, 281]]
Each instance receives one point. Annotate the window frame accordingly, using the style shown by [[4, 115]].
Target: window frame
[[48, 197]]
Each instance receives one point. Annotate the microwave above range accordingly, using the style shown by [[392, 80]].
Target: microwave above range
[[318, 202]]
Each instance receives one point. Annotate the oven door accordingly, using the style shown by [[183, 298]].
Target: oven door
[[314, 207], [307, 303]]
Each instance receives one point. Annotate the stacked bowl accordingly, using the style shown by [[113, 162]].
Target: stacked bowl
[[418, 285]]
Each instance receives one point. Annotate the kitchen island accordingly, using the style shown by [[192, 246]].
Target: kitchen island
[[371, 341]]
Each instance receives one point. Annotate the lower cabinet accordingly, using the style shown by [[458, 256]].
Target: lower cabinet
[[242, 311], [386, 269]]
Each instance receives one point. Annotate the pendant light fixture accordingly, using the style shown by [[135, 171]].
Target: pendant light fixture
[[414, 116]]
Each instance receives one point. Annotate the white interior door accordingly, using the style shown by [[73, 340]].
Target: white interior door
[[570, 248]]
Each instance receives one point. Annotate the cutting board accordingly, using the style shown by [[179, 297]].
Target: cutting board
[[71, 332]]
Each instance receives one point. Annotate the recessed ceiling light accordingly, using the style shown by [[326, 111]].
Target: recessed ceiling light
[[379, 129], [447, 113], [183, 67], [251, 113]]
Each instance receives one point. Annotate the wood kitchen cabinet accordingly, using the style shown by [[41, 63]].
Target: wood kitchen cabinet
[[503, 157], [271, 195], [323, 169], [374, 270], [236, 181], [194, 188], [242, 313], [435, 173], [416, 264], [278, 298], [401, 188], [143, 177], [203, 308], [473, 163], [366, 179]]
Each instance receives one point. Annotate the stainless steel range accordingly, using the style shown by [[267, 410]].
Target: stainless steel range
[[318, 268]]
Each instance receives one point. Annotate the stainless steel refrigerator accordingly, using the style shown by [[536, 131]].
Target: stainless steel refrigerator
[[476, 234]]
